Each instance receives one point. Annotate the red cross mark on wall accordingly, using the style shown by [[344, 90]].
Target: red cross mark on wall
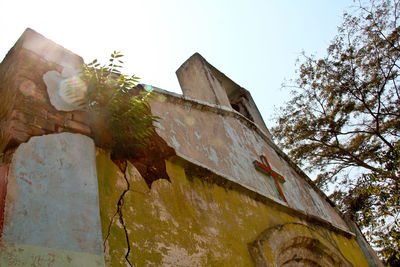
[[265, 168]]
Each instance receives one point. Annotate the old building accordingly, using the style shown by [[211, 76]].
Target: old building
[[211, 190]]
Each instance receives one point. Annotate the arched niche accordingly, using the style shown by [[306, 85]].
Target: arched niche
[[295, 244]]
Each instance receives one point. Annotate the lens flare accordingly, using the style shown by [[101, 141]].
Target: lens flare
[[72, 90], [190, 120], [161, 98], [27, 88], [148, 87]]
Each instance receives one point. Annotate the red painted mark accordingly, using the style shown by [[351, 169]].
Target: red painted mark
[[265, 168], [3, 193]]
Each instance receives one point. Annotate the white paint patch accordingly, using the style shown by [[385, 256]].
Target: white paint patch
[[175, 143], [198, 136], [212, 155], [159, 125], [65, 90], [213, 231], [177, 256], [179, 122]]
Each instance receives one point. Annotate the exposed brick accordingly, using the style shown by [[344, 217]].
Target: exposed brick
[[7, 103], [17, 137], [44, 124], [29, 89], [21, 116], [80, 116], [19, 126], [21, 132], [60, 129], [57, 118], [30, 108], [6, 157], [77, 127], [36, 131]]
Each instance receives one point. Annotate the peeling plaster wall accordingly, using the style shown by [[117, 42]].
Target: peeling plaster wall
[[51, 208], [191, 222], [228, 147]]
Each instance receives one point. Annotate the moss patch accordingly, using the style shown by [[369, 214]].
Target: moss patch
[[187, 221]]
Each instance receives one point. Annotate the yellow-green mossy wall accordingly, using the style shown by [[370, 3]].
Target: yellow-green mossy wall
[[188, 221]]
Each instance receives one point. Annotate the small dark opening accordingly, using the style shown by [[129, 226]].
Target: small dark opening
[[239, 104]]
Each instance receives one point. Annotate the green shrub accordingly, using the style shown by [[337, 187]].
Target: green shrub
[[119, 112]]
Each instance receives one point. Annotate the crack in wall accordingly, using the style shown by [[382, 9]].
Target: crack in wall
[[108, 231], [122, 164], [150, 163]]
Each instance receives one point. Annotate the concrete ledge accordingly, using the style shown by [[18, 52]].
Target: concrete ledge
[[221, 110]]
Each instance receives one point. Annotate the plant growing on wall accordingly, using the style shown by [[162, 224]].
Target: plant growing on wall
[[120, 115]]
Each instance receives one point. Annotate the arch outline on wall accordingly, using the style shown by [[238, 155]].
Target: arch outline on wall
[[295, 244]]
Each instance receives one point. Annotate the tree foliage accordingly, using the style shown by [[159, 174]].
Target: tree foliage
[[110, 98], [343, 121]]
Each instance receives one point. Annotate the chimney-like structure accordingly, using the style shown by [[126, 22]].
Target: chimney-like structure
[[202, 81]]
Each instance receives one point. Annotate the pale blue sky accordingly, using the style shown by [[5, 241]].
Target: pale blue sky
[[255, 43]]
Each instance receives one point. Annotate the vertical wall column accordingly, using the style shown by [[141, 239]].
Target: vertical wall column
[[52, 204]]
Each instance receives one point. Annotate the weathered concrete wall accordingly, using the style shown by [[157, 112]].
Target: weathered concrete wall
[[192, 221], [207, 215], [51, 207], [217, 139]]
